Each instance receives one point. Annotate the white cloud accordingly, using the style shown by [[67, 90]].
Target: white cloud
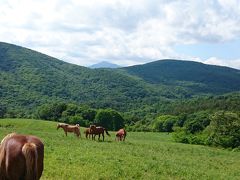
[[223, 62], [122, 31]]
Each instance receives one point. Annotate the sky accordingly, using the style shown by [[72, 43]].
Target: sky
[[125, 32]]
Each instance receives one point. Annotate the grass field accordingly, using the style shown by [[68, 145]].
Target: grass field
[[141, 156]]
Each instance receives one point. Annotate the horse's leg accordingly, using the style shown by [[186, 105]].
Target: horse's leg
[[103, 136], [76, 133], [65, 132], [99, 136]]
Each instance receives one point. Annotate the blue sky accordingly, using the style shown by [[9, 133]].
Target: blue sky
[[225, 50], [125, 32]]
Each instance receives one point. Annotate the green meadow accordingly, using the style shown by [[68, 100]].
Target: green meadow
[[141, 156]]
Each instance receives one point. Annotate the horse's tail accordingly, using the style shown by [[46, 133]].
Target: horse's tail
[[106, 132], [30, 153]]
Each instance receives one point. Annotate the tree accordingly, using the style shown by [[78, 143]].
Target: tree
[[89, 114], [224, 129], [109, 119], [3, 110], [51, 111], [165, 123], [197, 122]]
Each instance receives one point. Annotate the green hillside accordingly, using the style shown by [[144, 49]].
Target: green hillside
[[141, 156], [29, 79], [197, 77]]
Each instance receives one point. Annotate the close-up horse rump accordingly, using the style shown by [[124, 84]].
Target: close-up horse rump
[[21, 157]]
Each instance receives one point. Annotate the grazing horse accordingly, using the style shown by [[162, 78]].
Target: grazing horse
[[98, 131], [21, 157], [70, 128], [87, 133], [121, 135]]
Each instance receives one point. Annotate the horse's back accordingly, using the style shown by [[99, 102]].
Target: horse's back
[[121, 132]]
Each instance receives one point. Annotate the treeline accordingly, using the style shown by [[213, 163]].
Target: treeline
[[72, 114], [81, 114], [207, 121]]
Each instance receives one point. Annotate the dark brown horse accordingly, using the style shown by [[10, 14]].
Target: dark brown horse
[[70, 128], [98, 131], [21, 157], [121, 135], [87, 133]]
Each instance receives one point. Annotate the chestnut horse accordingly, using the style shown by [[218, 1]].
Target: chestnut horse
[[21, 157], [98, 131], [70, 128], [121, 134], [87, 132]]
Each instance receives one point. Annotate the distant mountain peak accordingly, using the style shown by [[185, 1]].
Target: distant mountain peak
[[104, 64]]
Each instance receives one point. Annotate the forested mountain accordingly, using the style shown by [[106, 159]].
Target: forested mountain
[[29, 79], [104, 64], [197, 76]]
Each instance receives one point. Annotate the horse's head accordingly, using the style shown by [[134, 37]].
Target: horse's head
[[92, 128], [58, 126], [77, 125]]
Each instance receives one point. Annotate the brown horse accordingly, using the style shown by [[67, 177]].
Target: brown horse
[[21, 157], [87, 133], [121, 135], [70, 128], [98, 131]]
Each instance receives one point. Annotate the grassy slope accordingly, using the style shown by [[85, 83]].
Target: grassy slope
[[142, 156]]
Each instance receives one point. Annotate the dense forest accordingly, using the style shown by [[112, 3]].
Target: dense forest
[[166, 95]]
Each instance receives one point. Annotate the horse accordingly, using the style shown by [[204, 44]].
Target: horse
[[98, 131], [70, 128], [87, 132], [21, 157], [121, 135]]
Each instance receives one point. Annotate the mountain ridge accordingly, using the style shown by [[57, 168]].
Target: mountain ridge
[[30, 79], [104, 64], [173, 71]]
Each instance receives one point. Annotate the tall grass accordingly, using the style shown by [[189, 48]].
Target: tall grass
[[141, 156]]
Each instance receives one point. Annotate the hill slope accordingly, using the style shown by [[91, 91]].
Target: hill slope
[[29, 79], [198, 76]]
